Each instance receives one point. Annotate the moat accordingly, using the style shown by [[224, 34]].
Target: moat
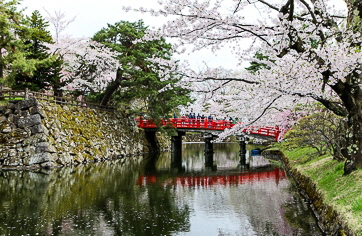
[[148, 197]]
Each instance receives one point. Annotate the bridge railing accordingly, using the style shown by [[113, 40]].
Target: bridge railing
[[187, 123], [206, 124]]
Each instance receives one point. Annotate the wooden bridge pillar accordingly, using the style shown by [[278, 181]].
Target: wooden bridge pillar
[[152, 143], [209, 150], [176, 150], [242, 152]]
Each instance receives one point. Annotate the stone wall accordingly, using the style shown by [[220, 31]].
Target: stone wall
[[34, 134]]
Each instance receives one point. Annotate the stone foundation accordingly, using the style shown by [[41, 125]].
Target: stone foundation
[[37, 134]]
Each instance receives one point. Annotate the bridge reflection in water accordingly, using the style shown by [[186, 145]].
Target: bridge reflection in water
[[228, 200], [205, 181]]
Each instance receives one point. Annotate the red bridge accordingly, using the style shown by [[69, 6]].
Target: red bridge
[[195, 125]]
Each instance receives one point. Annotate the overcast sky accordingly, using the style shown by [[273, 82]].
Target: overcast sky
[[93, 15]]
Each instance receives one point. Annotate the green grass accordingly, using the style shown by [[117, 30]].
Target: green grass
[[357, 205], [344, 193], [6, 100]]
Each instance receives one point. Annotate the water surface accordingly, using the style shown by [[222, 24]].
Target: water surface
[[148, 197]]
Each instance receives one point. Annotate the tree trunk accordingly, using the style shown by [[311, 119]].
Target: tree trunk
[[354, 104], [354, 137], [112, 88], [1, 66], [1, 76]]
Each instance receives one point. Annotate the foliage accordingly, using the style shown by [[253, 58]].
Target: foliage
[[35, 40], [322, 130], [146, 70], [255, 66], [12, 55]]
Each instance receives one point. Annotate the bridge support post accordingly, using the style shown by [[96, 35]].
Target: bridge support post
[[176, 150], [209, 150], [242, 152], [152, 142]]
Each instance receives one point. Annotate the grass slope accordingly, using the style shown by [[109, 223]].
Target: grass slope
[[343, 193]]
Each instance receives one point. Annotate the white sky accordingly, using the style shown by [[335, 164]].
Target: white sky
[[93, 15]]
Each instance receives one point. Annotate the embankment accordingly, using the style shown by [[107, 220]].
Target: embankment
[[331, 220], [42, 134]]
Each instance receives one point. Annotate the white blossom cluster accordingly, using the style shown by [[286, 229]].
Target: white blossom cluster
[[88, 65], [304, 55]]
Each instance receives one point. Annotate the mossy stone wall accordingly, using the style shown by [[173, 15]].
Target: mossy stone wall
[[43, 134]]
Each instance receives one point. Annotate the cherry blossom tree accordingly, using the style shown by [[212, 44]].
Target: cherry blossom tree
[[311, 52], [88, 66], [59, 22]]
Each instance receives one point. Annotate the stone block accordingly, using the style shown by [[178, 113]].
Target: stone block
[[37, 158], [12, 106], [38, 129], [42, 147], [37, 110], [8, 111], [26, 104], [6, 130], [13, 118], [48, 164], [29, 121], [64, 158], [3, 119], [34, 139], [29, 150], [13, 162], [24, 113], [12, 153]]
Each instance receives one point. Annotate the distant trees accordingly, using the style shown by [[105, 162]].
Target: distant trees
[[24, 58], [116, 65]]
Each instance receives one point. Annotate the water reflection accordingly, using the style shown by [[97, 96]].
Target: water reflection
[[98, 199], [148, 197]]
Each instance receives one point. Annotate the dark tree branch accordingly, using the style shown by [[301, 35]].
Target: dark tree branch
[[265, 109], [221, 79], [335, 107], [269, 5], [237, 7]]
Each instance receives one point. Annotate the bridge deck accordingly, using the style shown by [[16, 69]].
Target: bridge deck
[[199, 125]]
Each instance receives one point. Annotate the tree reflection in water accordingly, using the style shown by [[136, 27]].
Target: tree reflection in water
[[99, 198], [145, 196]]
